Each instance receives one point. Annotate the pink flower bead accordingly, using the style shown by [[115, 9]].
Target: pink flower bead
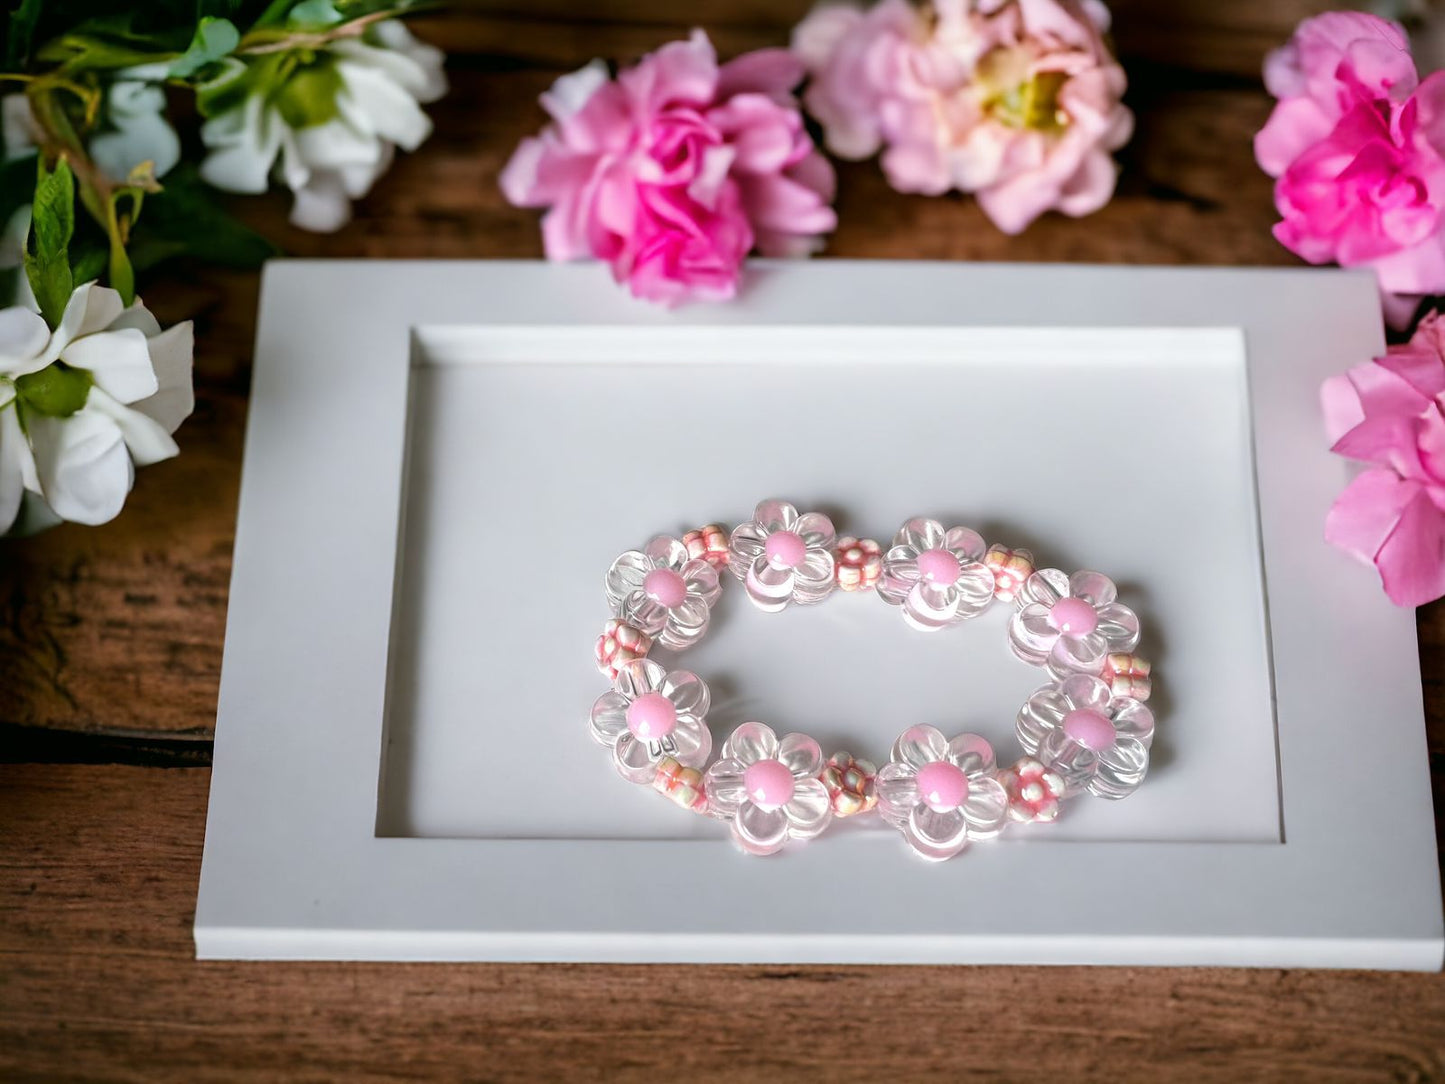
[[1128, 675], [857, 562], [618, 645], [708, 543], [680, 784], [850, 785], [1033, 791], [1010, 569]]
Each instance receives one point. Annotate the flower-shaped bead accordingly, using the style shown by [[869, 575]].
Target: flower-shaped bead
[[1128, 675], [1070, 623], [651, 714], [937, 576], [850, 784], [783, 557], [1011, 570], [940, 794], [618, 645], [1034, 792], [663, 592], [859, 563], [768, 789], [709, 544], [1094, 741]]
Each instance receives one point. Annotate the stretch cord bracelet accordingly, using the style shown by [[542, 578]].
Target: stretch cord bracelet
[[1086, 731]]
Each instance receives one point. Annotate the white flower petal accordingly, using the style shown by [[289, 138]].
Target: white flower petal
[[82, 465], [119, 362], [23, 335], [321, 204], [91, 308], [171, 354], [15, 460], [149, 441]]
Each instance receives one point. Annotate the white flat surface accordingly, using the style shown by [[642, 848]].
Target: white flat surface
[[1250, 843], [499, 456]]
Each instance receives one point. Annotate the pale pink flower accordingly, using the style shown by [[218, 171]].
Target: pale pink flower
[[674, 170], [1017, 101], [1355, 142], [1388, 413]]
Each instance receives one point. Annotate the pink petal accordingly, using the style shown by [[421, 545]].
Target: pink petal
[[1392, 523], [763, 71], [1294, 126], [1387, 440]]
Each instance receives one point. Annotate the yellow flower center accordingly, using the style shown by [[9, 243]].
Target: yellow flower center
[[1017, 98]]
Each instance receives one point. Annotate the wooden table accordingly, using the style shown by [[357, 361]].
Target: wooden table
[[111, 649]]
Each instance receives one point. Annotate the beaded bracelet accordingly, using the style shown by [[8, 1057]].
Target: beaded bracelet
[[1087, 730]]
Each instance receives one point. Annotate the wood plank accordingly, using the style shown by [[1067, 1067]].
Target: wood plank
[[98, 868], [119, 628], [1227, 37]]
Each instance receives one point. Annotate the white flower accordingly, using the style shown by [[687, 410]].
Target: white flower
[[136, 129], [367, 92], [81, 407]]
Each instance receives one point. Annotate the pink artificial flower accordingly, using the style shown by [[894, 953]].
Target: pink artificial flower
[[1388, 413], [1017, 101], [674, 170], [1355, 142]]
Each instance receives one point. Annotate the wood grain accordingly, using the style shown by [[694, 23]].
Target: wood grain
[[98, 867], [1214, 36]]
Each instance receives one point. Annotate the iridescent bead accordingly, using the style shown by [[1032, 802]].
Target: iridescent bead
[[708, 543], [850, 785], [1128, 675], [1034, 792], [857, 563], [680, 784], [618, 645], [1010, 569]]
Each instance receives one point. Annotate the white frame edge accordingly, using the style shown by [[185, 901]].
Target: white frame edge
[[293, 868]]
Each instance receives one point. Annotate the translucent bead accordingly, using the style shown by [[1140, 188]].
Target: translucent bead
[[783, 557], [768, 790], [1094, 741], [1010, 568], [937, 577], [1070, 624], [650, 714], [941, 794], [708, 544], [1128, 675], [663, 593], [619, 644]]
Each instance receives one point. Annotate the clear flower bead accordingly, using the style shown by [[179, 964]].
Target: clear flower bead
[[936, 576], [651, 714], [1094, 741], [941, 794], [768, 789], [1070, 624], [663, 592], [783, 557]]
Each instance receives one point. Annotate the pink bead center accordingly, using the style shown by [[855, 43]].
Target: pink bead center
[[939, 567], [651, 717], [1089, 728], [785, 549], [1074, 616], [942, 786], [665, 587], [769, 784]]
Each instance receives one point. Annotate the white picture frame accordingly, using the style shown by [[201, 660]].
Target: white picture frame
[[413, 450]]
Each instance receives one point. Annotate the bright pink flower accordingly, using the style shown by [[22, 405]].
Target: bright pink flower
[[1355, 142], [1015, 100], [1388, 413], [673, 171]]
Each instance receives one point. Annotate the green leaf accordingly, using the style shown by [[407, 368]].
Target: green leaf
[[52, 224], [314, 14], [57, 390], [308, 97], [21, 32], [215, 38], [183, 218]]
